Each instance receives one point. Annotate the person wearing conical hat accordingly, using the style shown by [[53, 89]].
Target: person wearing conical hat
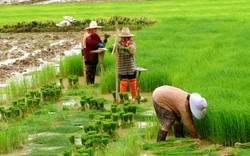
[[126, 61], [172, 105], [91, 41]]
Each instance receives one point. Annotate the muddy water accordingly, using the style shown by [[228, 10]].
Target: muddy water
[[23, 51]]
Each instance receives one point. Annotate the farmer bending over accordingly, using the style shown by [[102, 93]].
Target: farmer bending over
[[126, 61], [171, 105], [91, 41]]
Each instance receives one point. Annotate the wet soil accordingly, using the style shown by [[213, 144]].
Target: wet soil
[[21, 51]]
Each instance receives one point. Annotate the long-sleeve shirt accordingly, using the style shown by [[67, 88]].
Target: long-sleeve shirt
[[126, 61], [176, 100], [91, 44]]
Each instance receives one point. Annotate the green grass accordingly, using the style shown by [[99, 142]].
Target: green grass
[[200, 46], [11, 138], [71, 65], [18, 86]]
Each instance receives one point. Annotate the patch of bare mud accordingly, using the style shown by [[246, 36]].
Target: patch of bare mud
[[18, 52]]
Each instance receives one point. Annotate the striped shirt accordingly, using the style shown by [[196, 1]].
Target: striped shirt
[[126, 61]]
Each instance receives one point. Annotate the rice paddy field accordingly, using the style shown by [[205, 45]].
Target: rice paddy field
[[198, 45]]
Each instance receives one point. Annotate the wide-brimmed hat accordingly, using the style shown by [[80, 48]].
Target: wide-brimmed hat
[[125, 32], [93, 25], [198, 105]]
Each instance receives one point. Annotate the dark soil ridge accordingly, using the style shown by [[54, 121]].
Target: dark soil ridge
[[136, 23]]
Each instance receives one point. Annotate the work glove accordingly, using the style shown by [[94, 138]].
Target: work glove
[[100, 45]]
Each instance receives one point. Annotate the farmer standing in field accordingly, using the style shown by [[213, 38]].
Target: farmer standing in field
[[126, 61], [173, 104], [91, 41]]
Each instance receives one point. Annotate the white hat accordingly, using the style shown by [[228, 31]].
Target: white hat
[[125, 32], [93, 25], [198, 105]]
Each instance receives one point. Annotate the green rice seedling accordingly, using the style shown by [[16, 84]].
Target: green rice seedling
[[114, 95], [93, 104], [126, 109], [71, 65], [67, 152], [91, 116], [106, 126], [126, 103], [89, 127], [8, 113], [21, 100], [130, 116], [84, 138], [132, 108], [121, 114], [129, 145], [121, 97], [151, 129], [2, 112], [113, 109], [126, 96], [83, 104], [30, 105], [114, 125], [61, 82], [72, 139], [27, 95], [12, 138], [70, 81], [89, 143], [101, 118], [32, 94], [14, 103], [38, 94], [83, 97], [16, 112], [105, 141], [88, 99], [75, 81], [23, 108], [115, 116], [107, 115], [125, 117], [100, 105], [36, 102]]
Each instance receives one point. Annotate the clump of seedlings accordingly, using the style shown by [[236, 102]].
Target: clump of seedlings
[[61, 82], [124, 96], [90, 103], [21, 107], [73, 81], [51, 92], [102, 129]]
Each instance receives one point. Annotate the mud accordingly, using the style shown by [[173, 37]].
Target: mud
[[18, 52]]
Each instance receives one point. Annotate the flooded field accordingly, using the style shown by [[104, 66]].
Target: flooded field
[[24, 52]]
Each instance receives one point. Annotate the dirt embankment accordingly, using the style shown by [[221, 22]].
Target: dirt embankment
[[18, 52]]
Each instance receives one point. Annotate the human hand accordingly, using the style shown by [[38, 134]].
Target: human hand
[[131, 49], [100, 45], [106, 36]]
